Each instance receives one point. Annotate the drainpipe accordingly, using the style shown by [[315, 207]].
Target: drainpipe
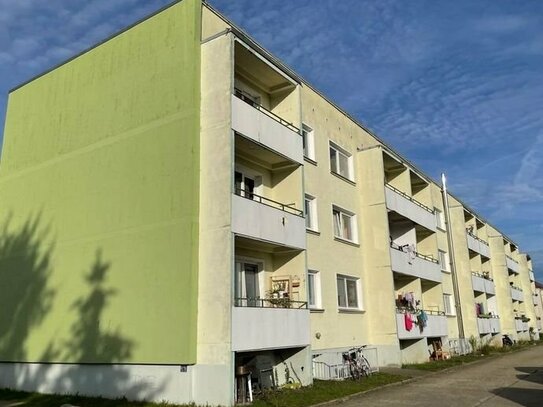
[[457, 304]]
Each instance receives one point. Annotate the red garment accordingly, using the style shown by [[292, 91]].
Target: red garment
[[408, 321]]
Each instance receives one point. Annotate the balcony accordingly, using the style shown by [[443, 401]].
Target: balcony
[[436, 326], [267, 129], [488, 325], [512, 265], [478, 245], [414, 264], [410, 208], [532, 277], [517, 294], [520, 325], [482, 284], [266, 324], [263, 219]]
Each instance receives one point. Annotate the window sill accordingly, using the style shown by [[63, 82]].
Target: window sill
[[349, 242], [450, 315], [313, 232], [446, 271], [350, 310], [310, 160], [350, 181], [316, 310], [442, 229]]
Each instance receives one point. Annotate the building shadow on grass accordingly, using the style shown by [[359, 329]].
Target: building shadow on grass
[[95, 358]]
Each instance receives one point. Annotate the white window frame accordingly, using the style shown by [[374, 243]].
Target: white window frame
[[241, 260], [344, 278], [257, 178], [443, 257], [311, 213], [341, 152], [317, 299], [308, 140], [340, 222], [440, 219], [448, 303]]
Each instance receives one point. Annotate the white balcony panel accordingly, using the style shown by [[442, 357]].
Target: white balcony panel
[[511, 264], [436, 326], [532, 277], [488, 325], [263, 222], [404, 263], [260, 127], [478, 283], [269, 328], [516, 294], [521, 326], [490, 287], [478, 246], [400, 204]]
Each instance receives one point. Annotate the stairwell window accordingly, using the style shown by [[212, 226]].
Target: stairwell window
[[440, 219], [311, 221], [444, 261], [348, 292], [341, 162], [314, 289], [448, 304], [344, 224], [308, 140]]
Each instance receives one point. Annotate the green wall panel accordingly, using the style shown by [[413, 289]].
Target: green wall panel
[[99, 202]]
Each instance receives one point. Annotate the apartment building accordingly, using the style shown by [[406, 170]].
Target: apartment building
[[186, 219]]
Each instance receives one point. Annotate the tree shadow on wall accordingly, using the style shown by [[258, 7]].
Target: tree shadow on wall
[[25, 297], [93, 346]]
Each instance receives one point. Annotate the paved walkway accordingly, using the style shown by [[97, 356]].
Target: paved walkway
[[511, 380]]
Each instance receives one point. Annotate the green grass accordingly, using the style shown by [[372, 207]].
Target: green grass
[[305, 396], [484, 351], [51, 400], [322, 391]]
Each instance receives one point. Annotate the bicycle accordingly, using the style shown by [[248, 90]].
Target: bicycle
[[358, 364]]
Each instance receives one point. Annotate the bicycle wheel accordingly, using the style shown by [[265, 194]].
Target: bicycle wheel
[[354, 371], [365, 366]]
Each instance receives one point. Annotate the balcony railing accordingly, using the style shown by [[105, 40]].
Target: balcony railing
[[473, 235], [269, 303], [267, 201], [436, 325], [482, 283], [405, 248], [512, 264], [249, 99], [410, 198]]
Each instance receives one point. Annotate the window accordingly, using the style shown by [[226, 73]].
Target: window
[[314, 289], [311, 221], [344, 224], [247, 283], [444, 261], [247, 183], [347, 292], [440, 219], [448, 304], [308, 140], [341, 162]]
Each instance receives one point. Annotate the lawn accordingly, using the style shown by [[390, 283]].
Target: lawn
[[305, 396]]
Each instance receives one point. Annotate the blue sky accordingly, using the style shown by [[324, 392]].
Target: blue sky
[[457, 87]]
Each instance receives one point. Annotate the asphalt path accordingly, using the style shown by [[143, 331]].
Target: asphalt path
[[514, 379]]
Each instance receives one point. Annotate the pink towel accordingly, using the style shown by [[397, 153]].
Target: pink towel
[[408, 321]]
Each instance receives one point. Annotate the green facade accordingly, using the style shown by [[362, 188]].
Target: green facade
[[99, 202]]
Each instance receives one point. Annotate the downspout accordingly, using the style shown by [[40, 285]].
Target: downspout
[[452, 260]]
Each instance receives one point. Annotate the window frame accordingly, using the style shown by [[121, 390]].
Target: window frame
[[312, 212], [317, 297], [448, 302], [353, 223], [440, 219], [308, 142], [349, 157], [347, 307], [443, 255]]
